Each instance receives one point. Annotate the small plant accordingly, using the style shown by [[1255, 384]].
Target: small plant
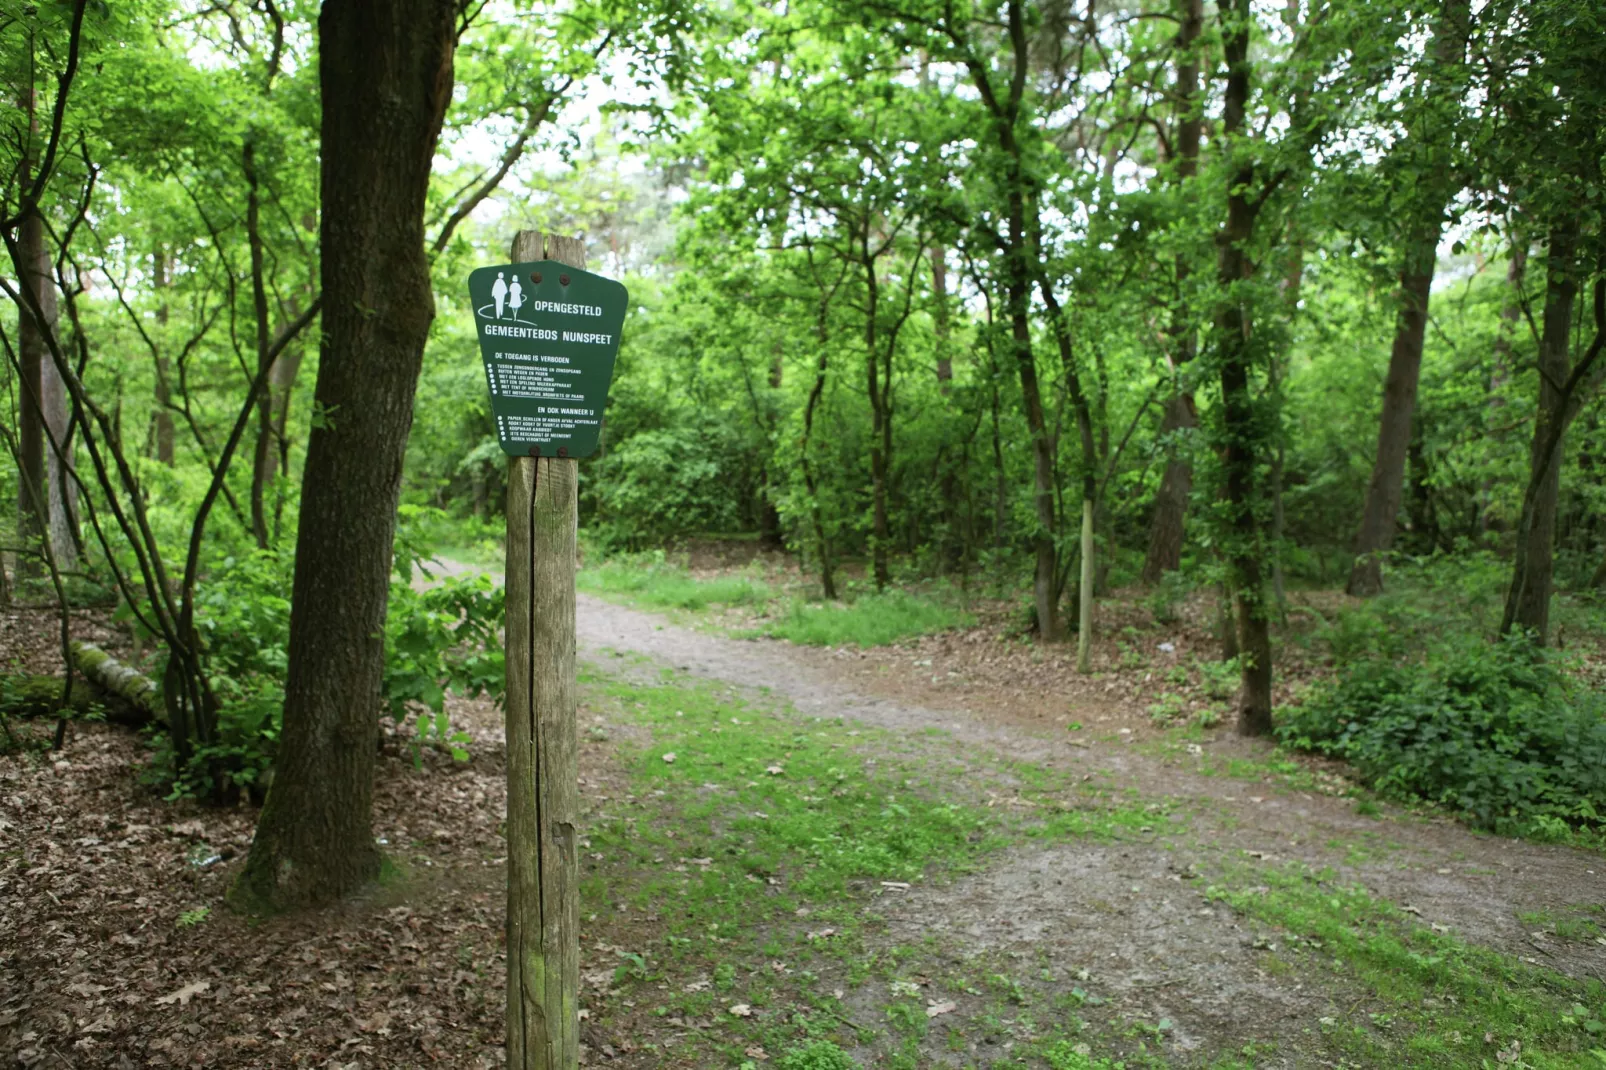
[[1170, 708], [1219, 678], [817, 1055], [1067, 1056], [191, 918]]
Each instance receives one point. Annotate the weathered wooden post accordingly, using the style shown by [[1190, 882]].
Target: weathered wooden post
[[543, 880], [548, 337]]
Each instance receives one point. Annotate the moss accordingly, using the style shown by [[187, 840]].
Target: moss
[[39, 695]]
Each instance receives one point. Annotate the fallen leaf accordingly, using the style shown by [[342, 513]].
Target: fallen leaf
[[183, 996], [756, 1052], [947, 1006]]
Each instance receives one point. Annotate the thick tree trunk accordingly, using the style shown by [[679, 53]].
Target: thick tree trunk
[[385, 69], [1528, 599], [1167, 528], [1431, 149], [1245, 551]]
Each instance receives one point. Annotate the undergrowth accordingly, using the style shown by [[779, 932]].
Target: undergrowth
[[1497, 732]]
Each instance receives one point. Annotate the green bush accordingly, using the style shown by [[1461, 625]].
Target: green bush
[[1496, 732], [442, 635]]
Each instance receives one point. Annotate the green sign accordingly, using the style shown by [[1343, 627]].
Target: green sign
[[548, 336]]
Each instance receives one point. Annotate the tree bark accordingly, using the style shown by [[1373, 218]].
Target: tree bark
[[1528, 598], [1431, 148], [1244, 440], [1167, 528], [385, 70]]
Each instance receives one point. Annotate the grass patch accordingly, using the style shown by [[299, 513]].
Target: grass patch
[[869, 620], [758, 850], [865, 620], [1438, 1001], [649, 580], [758, 842]]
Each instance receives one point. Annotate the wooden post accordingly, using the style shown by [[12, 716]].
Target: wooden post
[[543, 884], [1084, 625]]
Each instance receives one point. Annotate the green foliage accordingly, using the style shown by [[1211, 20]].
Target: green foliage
[[867, 620], [817, 1055], [440, 634], [190, 918], [1064, 1055], [1496, 732], [661, 484], [652, 580]]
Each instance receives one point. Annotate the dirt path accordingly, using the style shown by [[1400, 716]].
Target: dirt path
[[1475, 885]]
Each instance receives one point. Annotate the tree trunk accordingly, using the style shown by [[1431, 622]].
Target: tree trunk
[[1045, 579], [162, 418], [137, 693], [1167, 528], [1528, 599], [281, 383], [1431, 149], [385, 70], [1504, 361], [1245, 551], [939, 295], [880, 389], [31, 354], [816, 511]]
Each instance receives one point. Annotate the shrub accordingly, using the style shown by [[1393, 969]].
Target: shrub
[[1496, 732], [443, 636]]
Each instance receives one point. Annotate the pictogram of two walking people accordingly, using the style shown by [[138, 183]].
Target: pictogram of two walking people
[[507, 294]]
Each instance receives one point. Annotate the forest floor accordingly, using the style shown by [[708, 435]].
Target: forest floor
[[950, 852]]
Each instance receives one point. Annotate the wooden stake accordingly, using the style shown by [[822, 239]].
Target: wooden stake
[[1084, 625], [543, 884]]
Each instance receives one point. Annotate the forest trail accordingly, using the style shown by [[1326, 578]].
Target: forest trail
[[1476, 886]]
